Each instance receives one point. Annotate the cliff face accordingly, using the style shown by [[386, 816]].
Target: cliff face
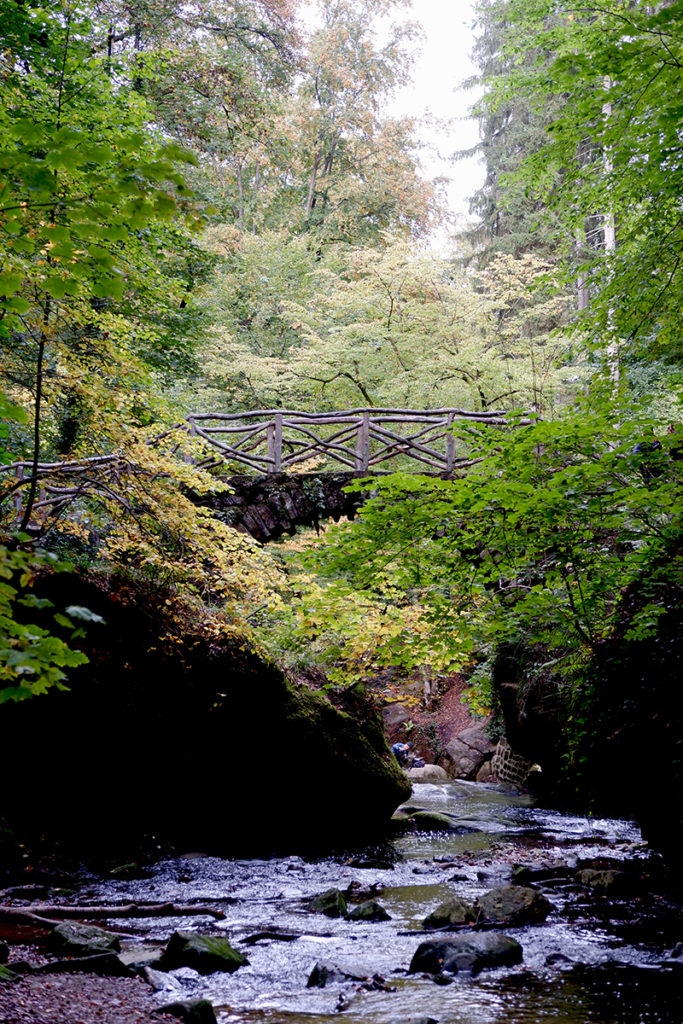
[[179, 730]]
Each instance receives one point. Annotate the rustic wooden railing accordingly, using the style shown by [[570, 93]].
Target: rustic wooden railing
[[276, 440], [267, 441]]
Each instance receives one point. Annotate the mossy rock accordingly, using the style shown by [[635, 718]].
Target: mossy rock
[[204, 953], [77, 939], [190, 1011], [610, 882], [159, 679], [370, 910], [432, 821], [452, 912], [331, 903]]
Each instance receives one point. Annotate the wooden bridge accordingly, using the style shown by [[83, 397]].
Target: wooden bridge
[[269, 444], [277, 440]]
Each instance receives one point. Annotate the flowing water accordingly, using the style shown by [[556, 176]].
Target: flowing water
[[594, 961]]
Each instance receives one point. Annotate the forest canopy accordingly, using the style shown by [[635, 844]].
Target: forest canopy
[[211, 208]]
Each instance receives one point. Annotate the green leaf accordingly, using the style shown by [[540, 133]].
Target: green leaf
[[10, 283], [77, 611], [55, 286]]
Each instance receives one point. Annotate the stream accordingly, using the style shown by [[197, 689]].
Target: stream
[[595, 958]]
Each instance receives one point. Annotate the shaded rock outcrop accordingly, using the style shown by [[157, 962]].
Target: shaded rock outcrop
[[153, 736], [469, 751]]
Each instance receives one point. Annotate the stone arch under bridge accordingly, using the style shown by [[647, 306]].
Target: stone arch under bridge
[[268, 506]]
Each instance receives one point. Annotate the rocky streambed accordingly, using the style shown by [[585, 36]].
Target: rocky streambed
[[483, 908]]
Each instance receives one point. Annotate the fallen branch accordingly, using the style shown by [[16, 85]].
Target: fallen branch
[[49, 914]]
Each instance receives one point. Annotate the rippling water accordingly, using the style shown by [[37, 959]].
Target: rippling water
[[620, 979]]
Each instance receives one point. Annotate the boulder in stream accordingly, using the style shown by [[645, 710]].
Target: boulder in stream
[[210, 697], [203, 953], [513, 905], [428, 773], [370, 910], [413, 1020], [474, 952], [331, 903], [432, 821], [453, 911]]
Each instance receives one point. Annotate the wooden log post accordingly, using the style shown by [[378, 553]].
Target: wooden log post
[[274, 444], [363, 443], [450, 445], [187, 457], [18, 499]]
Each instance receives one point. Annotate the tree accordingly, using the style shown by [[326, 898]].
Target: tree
[[355, 166], [536, 544], [511, 131], [615, 140]]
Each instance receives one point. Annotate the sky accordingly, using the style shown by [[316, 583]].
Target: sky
[[438, 73]]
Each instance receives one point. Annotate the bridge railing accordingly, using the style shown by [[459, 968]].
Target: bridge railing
[[277, 440]]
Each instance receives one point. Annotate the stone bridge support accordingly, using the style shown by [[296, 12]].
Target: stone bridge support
[[269, 506]]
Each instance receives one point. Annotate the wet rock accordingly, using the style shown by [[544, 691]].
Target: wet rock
[[327, 973], [142, 956], [524, 873], [473, 952], [493, 876], [379, 858], [513, 905], [485, 773], [330, 903], [191, 1011], [323, 973], [452, 912], [358, 892], [159, 981], [560, 960], [432, 821], [203, 953], [22, 967], [27, 892], [428, 773], [83, 939], [609, 882], [370, 910]]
